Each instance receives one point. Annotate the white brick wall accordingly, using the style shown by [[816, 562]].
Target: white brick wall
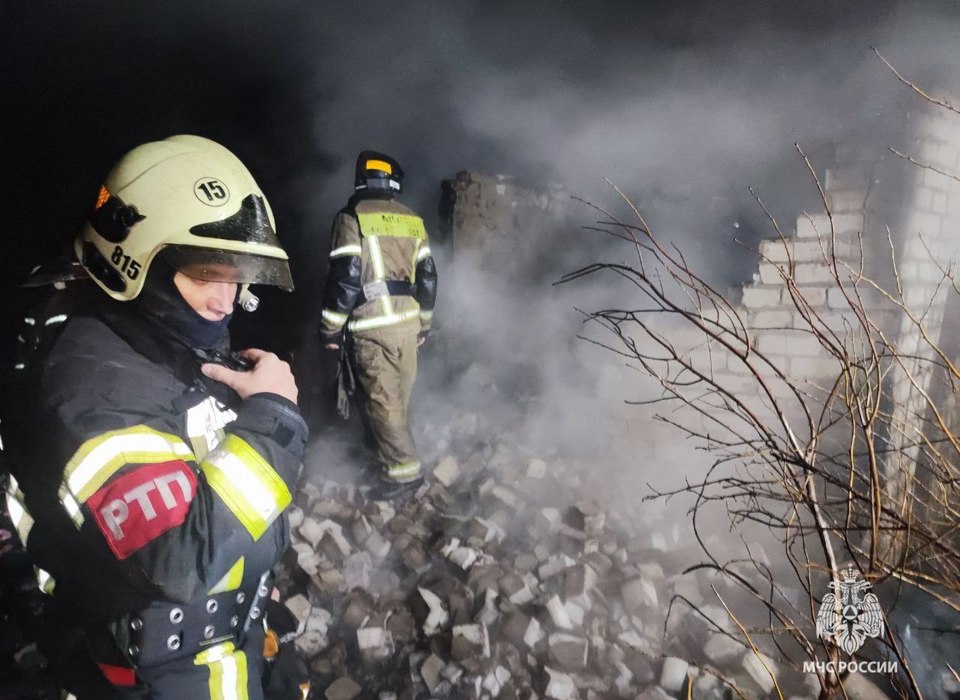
[[771, 274], [813, 368], [846, 201], [813, 273], [761, 297], [931, 211], [810, 226], [855, 178], [779, 318], [776, 251]]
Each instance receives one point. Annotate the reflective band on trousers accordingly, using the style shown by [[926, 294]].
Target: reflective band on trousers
[[351, 249], [404, 472], [334, 318], [366, 324], [248, 485], [228, 671], [100, 457]]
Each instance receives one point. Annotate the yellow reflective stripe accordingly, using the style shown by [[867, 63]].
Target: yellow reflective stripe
[[351, 249], [250, 487], [426, 315], [423, 252], [333, 318], [401, 472], [100, 457], [231, 581], [228, 671], [391, 225], [366, 324]]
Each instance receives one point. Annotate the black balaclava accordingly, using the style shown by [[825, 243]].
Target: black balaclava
[[162, 305]]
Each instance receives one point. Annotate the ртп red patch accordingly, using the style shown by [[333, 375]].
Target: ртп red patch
[[140, 506]]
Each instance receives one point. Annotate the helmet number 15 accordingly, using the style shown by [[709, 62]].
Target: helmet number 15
[[212, 190], [126, 264]]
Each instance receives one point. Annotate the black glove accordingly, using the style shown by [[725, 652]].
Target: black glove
[[286, 676], [332, 338]]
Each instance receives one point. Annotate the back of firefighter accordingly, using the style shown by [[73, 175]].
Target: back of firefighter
[[381, 290], [152, 481]]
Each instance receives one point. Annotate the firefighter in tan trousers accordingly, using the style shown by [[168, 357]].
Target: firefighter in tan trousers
[[379, 299]]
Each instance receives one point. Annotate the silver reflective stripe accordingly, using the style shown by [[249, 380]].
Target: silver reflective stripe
[[376, 257], [53, 320], [22, 521], [333, 317], [206, 423], [30, 321], [426, 315], [351, 249], [381, 321], [45, 581], [71, 505], [424, 252]]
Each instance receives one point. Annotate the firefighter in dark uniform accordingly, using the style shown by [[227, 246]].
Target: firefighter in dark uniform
[[152, 465], [380, 291]]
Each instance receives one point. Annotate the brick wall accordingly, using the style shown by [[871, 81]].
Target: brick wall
[[869, 190]]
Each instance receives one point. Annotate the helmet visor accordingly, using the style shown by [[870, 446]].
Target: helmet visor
[[215, 265]]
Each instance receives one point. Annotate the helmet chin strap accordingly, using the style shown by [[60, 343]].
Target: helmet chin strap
[[248, 300]]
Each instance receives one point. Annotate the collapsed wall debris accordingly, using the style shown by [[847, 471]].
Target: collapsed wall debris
[[501, 580]]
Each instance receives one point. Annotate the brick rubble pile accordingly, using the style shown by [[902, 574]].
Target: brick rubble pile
[[495, 581]]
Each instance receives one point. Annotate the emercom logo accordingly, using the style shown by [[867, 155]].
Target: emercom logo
[[849, 614], [841, 667]]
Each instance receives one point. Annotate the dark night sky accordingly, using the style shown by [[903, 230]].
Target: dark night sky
[[685, 103]]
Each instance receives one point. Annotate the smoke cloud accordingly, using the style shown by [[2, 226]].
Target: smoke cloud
[[683, 107]]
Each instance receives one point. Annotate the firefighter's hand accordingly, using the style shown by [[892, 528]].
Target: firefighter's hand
[[269, 375]]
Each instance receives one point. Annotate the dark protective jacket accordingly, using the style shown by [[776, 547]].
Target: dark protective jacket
[[156, 500], [382, 271]]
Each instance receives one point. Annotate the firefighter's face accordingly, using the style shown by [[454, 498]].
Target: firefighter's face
[[211, 299]]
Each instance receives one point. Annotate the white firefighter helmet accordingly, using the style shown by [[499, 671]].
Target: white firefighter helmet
[[192, 199]]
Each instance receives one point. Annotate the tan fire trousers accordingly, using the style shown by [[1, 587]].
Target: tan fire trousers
[[385, 361]]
